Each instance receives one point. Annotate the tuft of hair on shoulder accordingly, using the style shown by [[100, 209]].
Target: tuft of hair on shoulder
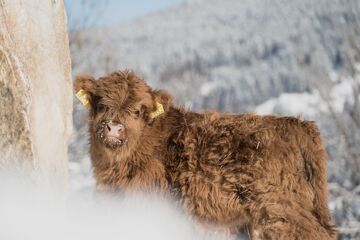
[[127, 74]]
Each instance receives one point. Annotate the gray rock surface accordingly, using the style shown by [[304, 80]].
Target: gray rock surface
[[35, 87]]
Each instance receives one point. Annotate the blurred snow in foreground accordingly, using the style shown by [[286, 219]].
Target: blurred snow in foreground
[[31, 212]]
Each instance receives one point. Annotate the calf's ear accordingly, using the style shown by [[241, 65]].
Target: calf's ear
[[84, 82], [163, 98], [161, 102], [84, 87]]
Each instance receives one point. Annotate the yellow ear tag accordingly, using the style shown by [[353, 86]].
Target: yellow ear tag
[[159, 110], [83, 97]]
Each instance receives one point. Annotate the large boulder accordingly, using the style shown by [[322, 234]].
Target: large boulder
[[35, 87]]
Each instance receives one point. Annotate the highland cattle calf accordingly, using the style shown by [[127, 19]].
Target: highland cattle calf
[[263, 173]]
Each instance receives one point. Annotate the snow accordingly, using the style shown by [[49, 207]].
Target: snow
[[80, 176], [310, 104], [340, 94], [267, 107], [207, 88], [305, 104], [35, 213]]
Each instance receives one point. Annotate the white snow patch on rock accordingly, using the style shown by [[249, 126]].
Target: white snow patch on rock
[[340, 94], [207, 88], [310, 104], [305, 104]]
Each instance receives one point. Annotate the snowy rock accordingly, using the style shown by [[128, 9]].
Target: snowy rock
[[340, 94], [304, 104]]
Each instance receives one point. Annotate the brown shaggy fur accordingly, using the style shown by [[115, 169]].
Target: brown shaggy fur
[[265, 173]]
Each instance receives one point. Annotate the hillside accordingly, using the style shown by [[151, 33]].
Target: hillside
[[229, 52]]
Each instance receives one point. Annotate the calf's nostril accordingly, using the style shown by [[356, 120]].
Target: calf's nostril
[[113, 129]]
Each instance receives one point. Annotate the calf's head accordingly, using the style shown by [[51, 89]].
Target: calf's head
[[121, 106]]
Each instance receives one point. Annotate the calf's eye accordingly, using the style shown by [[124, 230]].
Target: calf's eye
[[100, 107], [137, 113]]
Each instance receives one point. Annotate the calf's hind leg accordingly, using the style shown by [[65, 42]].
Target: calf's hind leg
[[284, 219]]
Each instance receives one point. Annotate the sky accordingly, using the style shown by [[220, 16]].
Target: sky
[[109, 12]]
